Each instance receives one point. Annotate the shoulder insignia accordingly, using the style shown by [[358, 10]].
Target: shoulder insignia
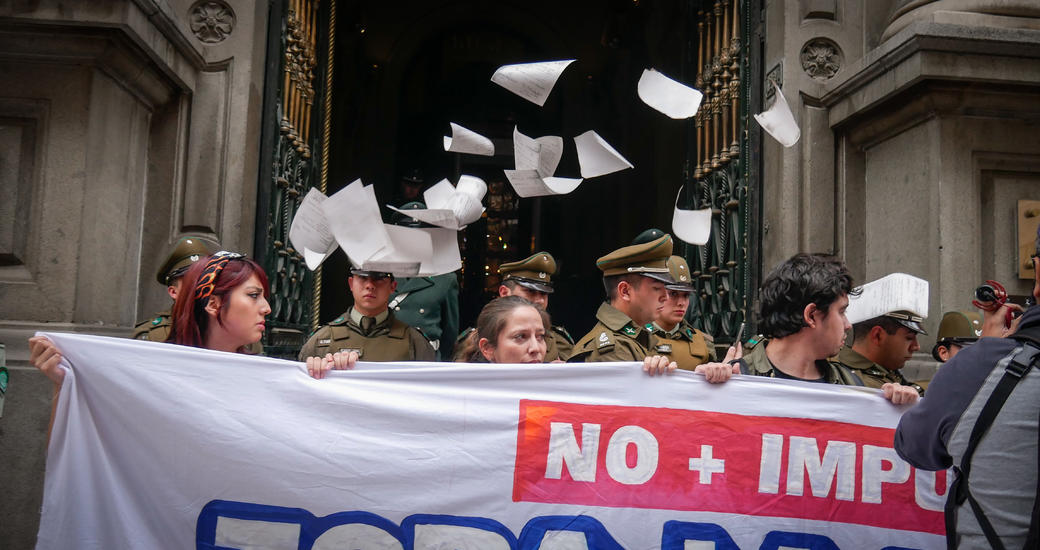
[[324, 341], [664, 348], [753, 341], [629, 330], [604, 340], [156, 321], [563, 332]]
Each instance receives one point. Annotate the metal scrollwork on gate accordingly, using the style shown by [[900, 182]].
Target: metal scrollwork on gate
[[718, 179], [295, 169]]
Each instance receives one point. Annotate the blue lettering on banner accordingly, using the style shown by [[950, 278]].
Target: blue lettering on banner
[[596, 536], [228, 525], [676, 533], [775, 540]]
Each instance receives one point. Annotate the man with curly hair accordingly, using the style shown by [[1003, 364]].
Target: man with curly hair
[[802, 306]]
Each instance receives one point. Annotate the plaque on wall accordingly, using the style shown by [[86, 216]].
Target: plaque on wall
[[1028, 220]]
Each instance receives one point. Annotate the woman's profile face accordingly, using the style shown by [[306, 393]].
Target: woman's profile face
[[242, 322], [522, 339]]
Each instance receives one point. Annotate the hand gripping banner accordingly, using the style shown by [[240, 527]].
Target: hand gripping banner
[[162, 446]]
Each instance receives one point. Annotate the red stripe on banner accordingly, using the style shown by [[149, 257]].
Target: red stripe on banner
[[675, 459]]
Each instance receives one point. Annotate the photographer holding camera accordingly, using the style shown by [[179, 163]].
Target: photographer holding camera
[[981, 415]]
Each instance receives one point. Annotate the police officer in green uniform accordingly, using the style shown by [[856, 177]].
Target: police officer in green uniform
[[676, 338], [187, 251], [369, 331], [957, 330], [634, 278], [430, 304], [530, 279], [881, 346]]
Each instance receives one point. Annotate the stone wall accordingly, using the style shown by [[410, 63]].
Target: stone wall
[[123, 126], [918, 138]]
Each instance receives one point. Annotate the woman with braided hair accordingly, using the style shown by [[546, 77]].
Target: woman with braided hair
[[227, 309], [222, 308]]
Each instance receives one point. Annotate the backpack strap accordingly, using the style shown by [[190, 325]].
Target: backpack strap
[[1033, 538], [1021, 361]]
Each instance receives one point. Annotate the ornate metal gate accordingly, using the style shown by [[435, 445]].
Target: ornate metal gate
[[296, 128], [717, 171]]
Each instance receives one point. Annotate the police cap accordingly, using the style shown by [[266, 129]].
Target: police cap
[[680, 272], [377, 275], [187, 251], [405, 220], [651, 234], [534, 272], [414, 177], [908, 320], [960, 327], [649, 259]]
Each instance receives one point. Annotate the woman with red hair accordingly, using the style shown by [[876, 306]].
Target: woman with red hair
[[222, 307]]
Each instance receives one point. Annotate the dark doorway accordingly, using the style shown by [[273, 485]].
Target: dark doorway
[[405, 69]]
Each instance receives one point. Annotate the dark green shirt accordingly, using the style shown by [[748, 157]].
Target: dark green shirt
[[756, 363]]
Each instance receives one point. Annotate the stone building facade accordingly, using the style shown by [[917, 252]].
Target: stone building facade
[[919, 138], [123, 125], [126, 124]]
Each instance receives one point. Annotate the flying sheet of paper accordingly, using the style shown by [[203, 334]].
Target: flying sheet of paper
[[466, 203], [353, 216], [310, 232], [894, 292], [596, 157], [451, 207], [531, 81], [672, 98], [409, 249], [464, 140], [441, 217], [446, 257], [529, 183], [542, 154], [778, 121], [439, 195], [692, 226]]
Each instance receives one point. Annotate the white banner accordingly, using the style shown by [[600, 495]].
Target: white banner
[[161, 446]]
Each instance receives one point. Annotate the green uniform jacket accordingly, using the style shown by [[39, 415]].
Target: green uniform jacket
[[430, 304], [756, 363], [390, 340], [156, 329], [614, 338], [688, 347], [873, 374], [558, 344]]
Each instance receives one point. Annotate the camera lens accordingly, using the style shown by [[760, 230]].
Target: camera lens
[[985, 293]]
